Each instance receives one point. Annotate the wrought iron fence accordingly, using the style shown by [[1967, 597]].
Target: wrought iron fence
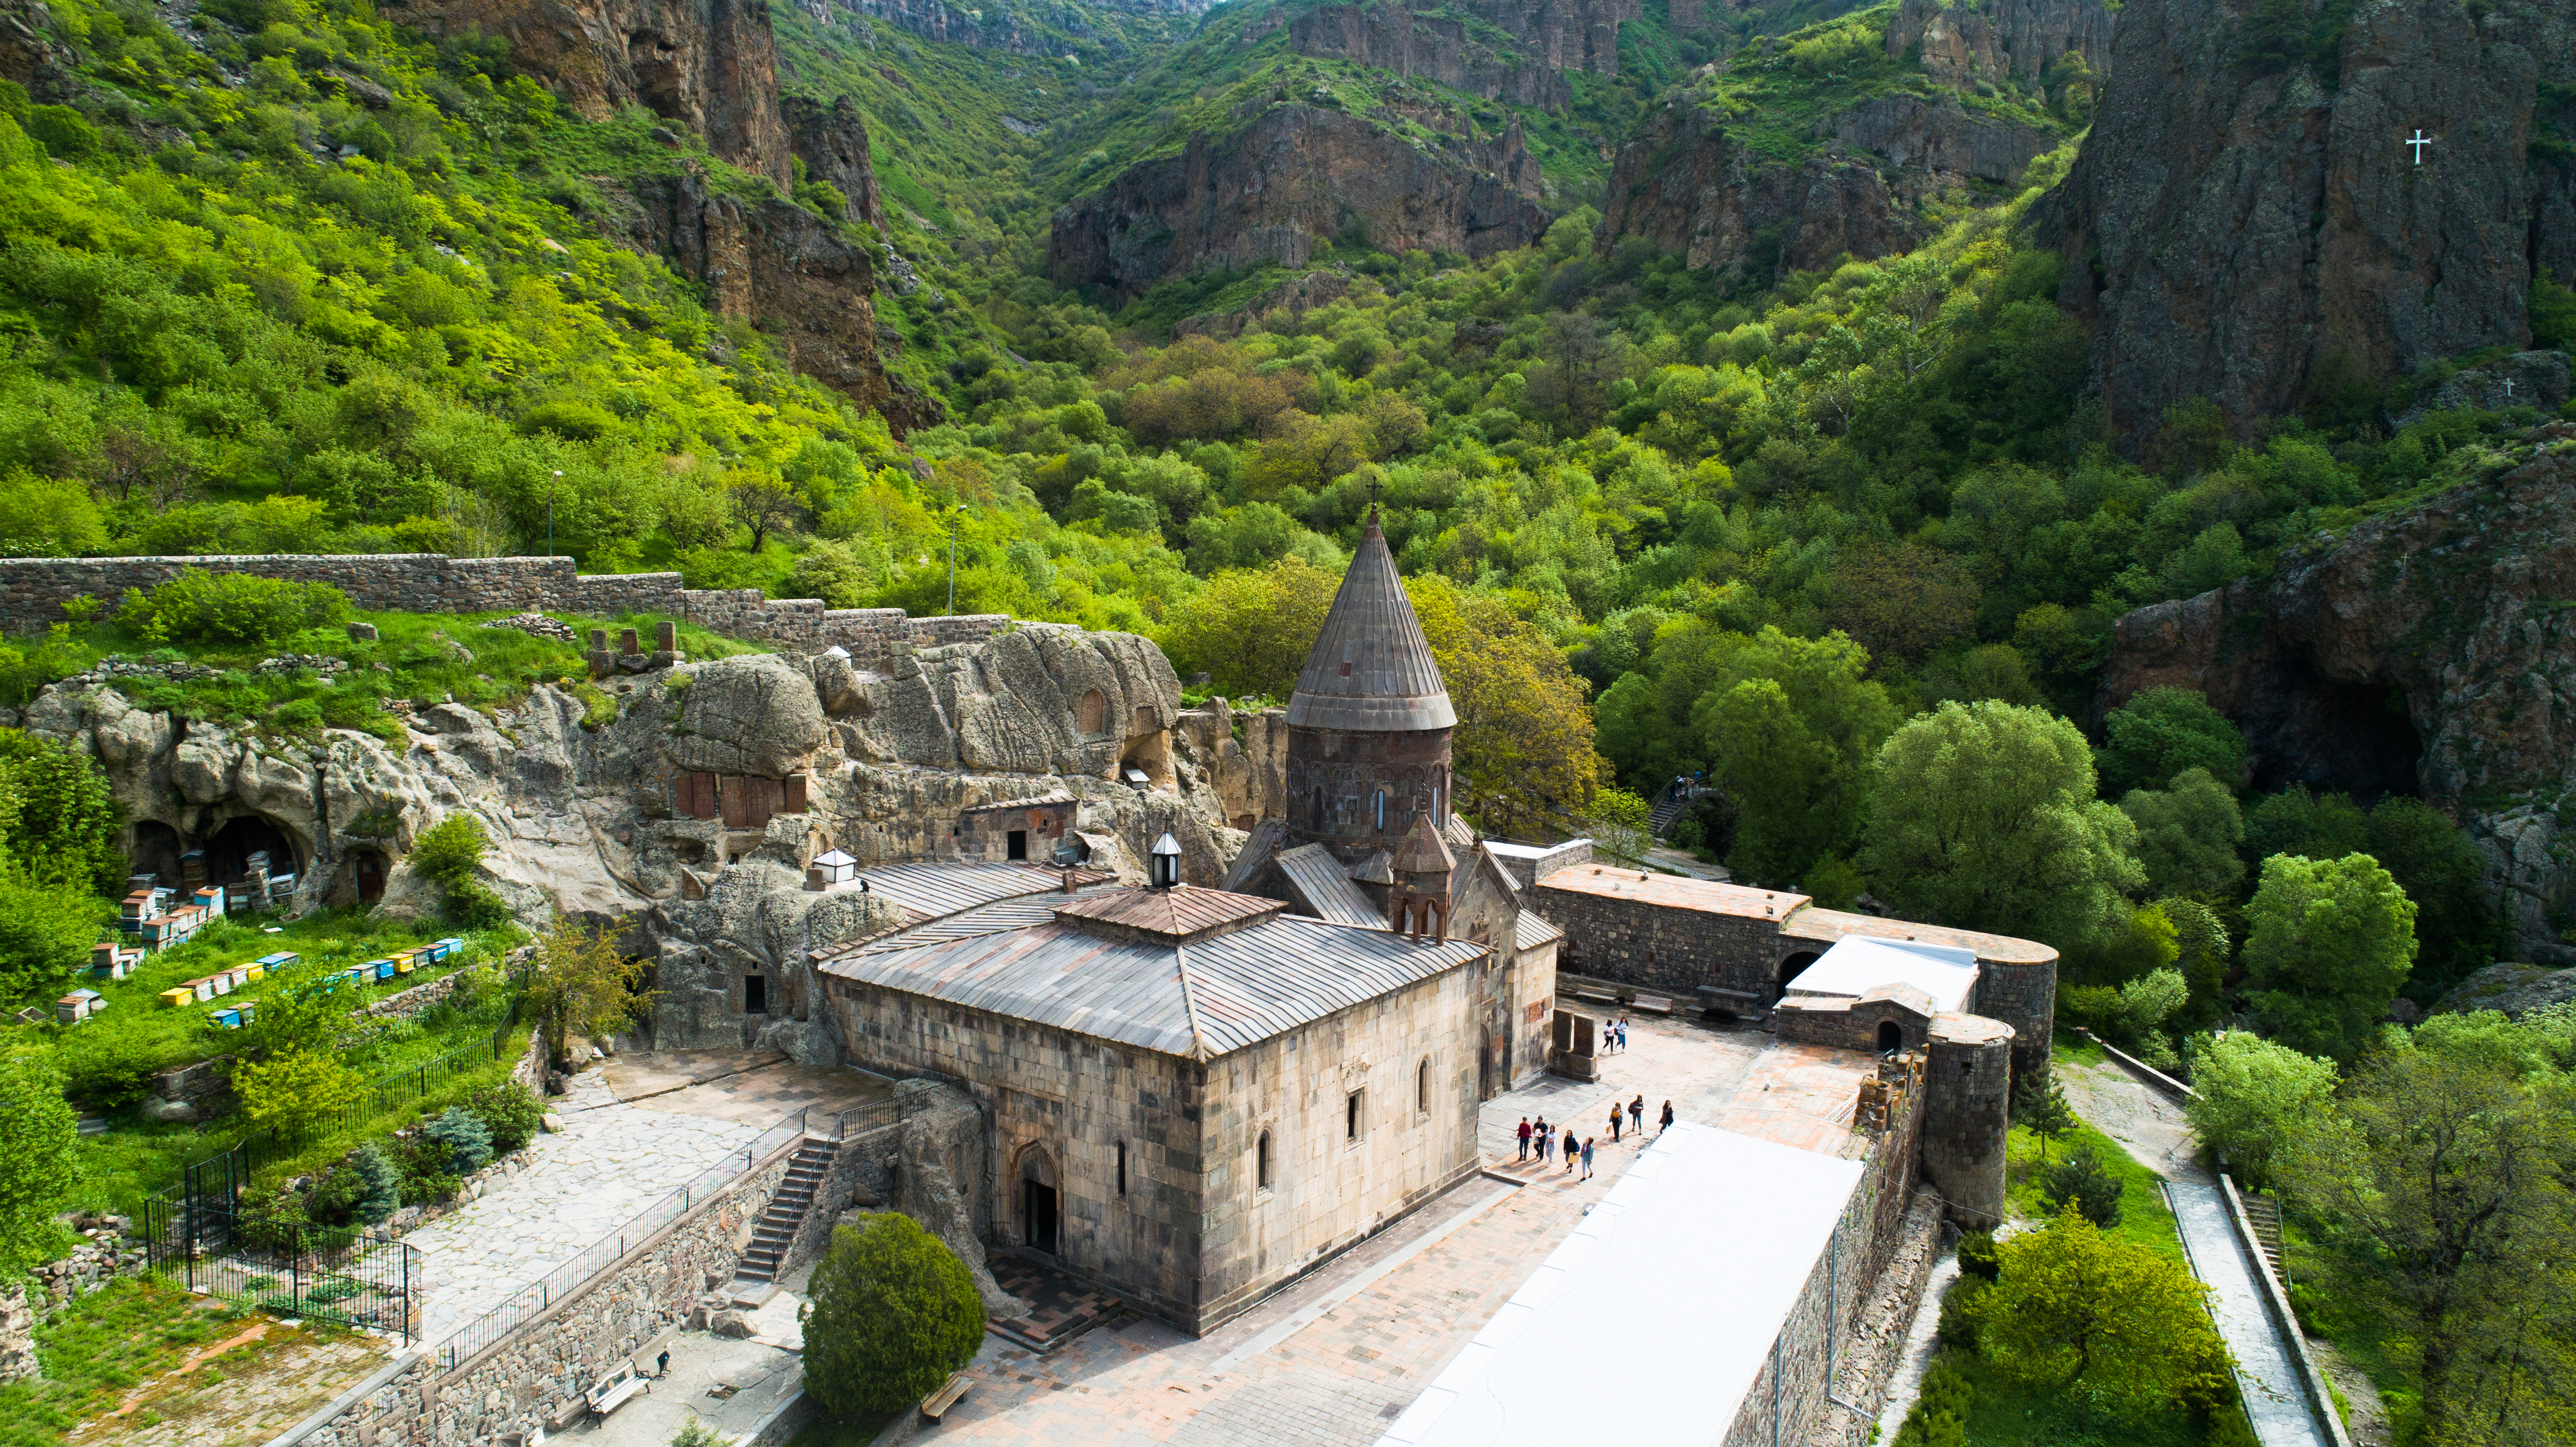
[[342, 1276], [568, 1278]]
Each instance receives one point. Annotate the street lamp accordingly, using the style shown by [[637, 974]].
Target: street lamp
[[550, 511]]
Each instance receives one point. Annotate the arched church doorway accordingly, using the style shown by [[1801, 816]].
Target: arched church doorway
[[229, 848], [156, 851], [1039, 1203], [367, 867], [1891, 1037], [1793, 967]]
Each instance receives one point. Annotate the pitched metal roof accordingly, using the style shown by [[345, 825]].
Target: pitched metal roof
[[1318, 879], [1371, 668], [1023, 912], [1256, 851], [1421, 852], [1197, 1000], [1181, 912], [935, 889], [1534, 932], [1460, 833]]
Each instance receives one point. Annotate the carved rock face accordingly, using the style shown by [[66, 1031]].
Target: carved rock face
[[757, 714]]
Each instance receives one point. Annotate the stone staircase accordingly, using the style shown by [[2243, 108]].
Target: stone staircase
[[2265, 1214], [1664, 814], [777, 1229]]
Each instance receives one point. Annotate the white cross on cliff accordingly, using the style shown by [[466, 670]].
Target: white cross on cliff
[[2419, 141]]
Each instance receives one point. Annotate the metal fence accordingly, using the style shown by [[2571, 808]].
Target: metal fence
[[340, 1276], [568, 1278]]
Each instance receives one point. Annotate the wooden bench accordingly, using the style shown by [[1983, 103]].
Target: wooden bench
[[616, 1389], [1652, 1005], [936, 1405], [1598, 997]]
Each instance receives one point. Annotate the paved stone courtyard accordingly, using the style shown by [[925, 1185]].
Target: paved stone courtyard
[[634, 1131], [1336, 1357]]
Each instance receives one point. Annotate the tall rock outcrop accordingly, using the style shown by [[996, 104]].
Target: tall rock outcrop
[[2247, 223], [2430, 650], [1295, 175], [1707, 174], [832, 141], [781, 268], [1546, 42], [710, 65]]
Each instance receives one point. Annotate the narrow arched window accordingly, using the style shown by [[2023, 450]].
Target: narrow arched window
[[1319, 806], [1122, 1168], [1422, 1086], [1261, 1162], [1379, 805]]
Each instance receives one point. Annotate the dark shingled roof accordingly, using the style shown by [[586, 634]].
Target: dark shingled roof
[[1371, 667]]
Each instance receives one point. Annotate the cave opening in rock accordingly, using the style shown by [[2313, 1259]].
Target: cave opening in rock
[[156, 851], [229, 848], [2351, 738]]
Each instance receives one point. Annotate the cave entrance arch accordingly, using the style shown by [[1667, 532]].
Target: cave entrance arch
[[229, 848], [1039, 1205], [1891, 1037], [156, 851], [367, 868]]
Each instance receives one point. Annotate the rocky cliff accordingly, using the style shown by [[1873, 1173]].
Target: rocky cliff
[[594, 822], [781, 268], [1452, 45], [994, 26], [1760, 167], [710, 65], [832, 141], [2431, 650], [2247, 222], [1296, 174]]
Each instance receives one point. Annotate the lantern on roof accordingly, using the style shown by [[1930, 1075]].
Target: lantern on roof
[[1166, 861]]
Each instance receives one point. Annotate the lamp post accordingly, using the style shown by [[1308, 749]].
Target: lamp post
[[550, 511]]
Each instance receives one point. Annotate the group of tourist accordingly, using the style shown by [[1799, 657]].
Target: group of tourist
[[1576, 1151]]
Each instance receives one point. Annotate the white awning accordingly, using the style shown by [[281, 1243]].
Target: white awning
[[1858, 964], [1654, 1319]]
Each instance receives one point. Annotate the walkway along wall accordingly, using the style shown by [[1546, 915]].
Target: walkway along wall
[[534, 1377], [34, 590]]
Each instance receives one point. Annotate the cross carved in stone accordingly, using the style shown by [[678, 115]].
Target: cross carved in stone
[[2419, 141]]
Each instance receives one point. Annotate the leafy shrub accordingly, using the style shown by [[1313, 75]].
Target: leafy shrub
[[450, 850], [46, 930], [509, 1111], [1940, 1414], [331, 1290], [1977, 1255], [2082, 1182], [893, 1312], [275, 1219], [294, 1093], [379, 1183], [467, 1139], [2090, 1007], [202, 607], [112, 1070], [1960, 1311]]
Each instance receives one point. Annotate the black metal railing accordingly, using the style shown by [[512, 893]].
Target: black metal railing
[[342, 1276]]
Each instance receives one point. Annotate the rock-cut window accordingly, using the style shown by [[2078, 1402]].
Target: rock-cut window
[[1091, 714]]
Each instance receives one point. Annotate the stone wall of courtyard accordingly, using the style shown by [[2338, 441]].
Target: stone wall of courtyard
[[533, 1378], [34, 590]]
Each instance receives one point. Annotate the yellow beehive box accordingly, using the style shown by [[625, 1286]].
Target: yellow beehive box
[[182, 995], [254, 972]]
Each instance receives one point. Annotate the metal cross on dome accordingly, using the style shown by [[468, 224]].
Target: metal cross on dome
[[2419, 141]]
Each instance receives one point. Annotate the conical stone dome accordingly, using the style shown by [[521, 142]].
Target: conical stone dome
[[1371, 668]]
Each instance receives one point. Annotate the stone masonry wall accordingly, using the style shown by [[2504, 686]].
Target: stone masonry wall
[[1654, 947], [532, 1378], [1061, 1104], [2024, 997], [1328, 1190], [34, 590]]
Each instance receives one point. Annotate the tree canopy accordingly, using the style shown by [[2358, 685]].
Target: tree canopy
[[2327, 944], [2161, 732], [891, 1312]]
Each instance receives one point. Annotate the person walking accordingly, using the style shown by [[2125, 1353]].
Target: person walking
[[1637, 1115], [1668, 1119], [1525, 1135], [1587, 1160], [1614, 1122], [1623, 1034], [1546, 1139], [1569, 1148]]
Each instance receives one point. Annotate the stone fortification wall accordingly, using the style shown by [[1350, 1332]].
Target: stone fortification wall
[[1656, 947], [1789, 1397], [34, 590], [534, 1377], [2024, 997], [1968, 1088]]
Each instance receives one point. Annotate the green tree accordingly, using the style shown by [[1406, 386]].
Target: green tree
[[2039, 1104], [2201, 949], [2082, 1184], [580, 985], [2188, 836], [891, 1313], [833, 572], [2162, 731], [1794, 726], [2445, 1188], [1620, 824], [38, 1165], [56, 812], [2458, 929], [1523, 746], [467, 1139], [2327, 945], [1985, 818], [299, 1018], [1249, 630], [46, 928], [2251, 1098], [294, 1094], [2073, 1305]]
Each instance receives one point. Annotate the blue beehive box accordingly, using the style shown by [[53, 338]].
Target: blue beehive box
[[447, 947], [229, 1019], [276, 962], [381, 969]]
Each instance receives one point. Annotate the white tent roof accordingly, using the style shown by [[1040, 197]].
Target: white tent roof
[[1656, 1293], [835, 858], [1858, 964]]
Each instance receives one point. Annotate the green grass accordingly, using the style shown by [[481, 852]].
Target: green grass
[[2007, 1414], [426, 658], [2145, 1219], [101, 1347]]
